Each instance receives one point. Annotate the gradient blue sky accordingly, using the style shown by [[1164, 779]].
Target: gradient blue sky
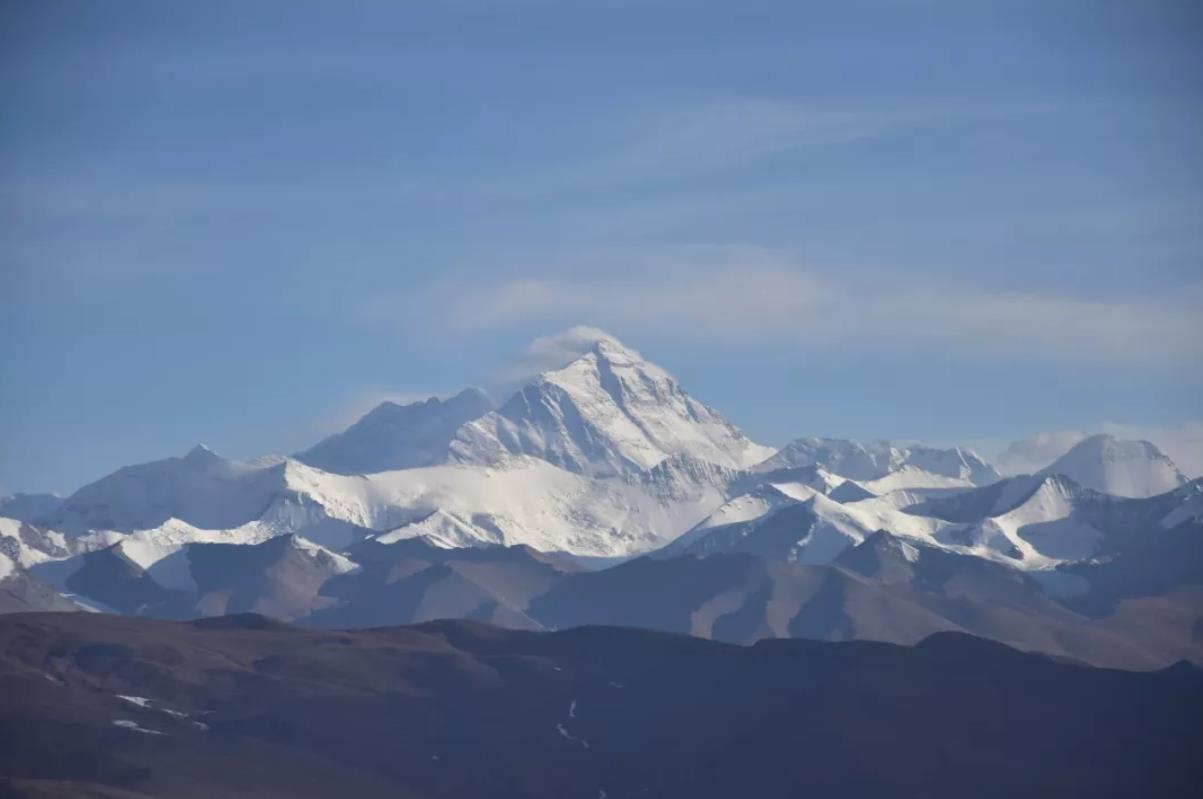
[[243, 222]]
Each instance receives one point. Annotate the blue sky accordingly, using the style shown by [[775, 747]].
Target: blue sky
[[241, 222]]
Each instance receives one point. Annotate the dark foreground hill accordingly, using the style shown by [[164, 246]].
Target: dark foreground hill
[[109, 706]]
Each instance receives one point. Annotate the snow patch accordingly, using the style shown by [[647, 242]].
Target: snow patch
[[133, 726], [563, 731], [140, 701]]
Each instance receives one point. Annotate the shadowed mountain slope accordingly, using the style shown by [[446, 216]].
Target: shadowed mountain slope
[[394, 436], [244, 706]]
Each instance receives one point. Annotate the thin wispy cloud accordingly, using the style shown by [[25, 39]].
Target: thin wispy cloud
[[699, 137], [626, 146], [753, 297], [1183, 443], [673, 142], [543, 354]]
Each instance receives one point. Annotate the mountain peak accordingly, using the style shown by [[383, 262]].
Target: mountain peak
[[606, 411], [390, 406], [201, 454], [547, 355], [599, 351], [395, 436], [611, 348], [1125, 468]]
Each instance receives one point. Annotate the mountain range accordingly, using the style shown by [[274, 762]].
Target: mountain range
[[600, 491]]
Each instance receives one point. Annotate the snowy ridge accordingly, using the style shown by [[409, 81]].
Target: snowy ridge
[[912, 477], [526, 501], [27, 545], [1029, 523], [902, 467], [200, 487], [393, 436], [523, 501], [1187, 505], [1041, 531]]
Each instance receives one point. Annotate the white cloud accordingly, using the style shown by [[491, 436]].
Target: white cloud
[[1033, 453], [544, 354], [651, 144], [721, 134], [745, 301], [1183, 444], [751, 296]]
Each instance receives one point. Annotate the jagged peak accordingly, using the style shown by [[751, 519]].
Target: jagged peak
[[611, 349], [319, 553], [685, 462], [967, 456], [201, 454], [389, 407], [606, 411], [1015, 492], [603, 356], [1054, 483], [1060, 482]]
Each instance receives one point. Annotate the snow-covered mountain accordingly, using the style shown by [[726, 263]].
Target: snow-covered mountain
[[393, 436], [1117, 467], [842, 456], [26, 544], [793, 524], [23, 546], [1031, 523], [205, 497], [954, 462], [453, 507], [20, 592], [607, 413], [527, 501], [603, 456], [200, 487], [909, 467]]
